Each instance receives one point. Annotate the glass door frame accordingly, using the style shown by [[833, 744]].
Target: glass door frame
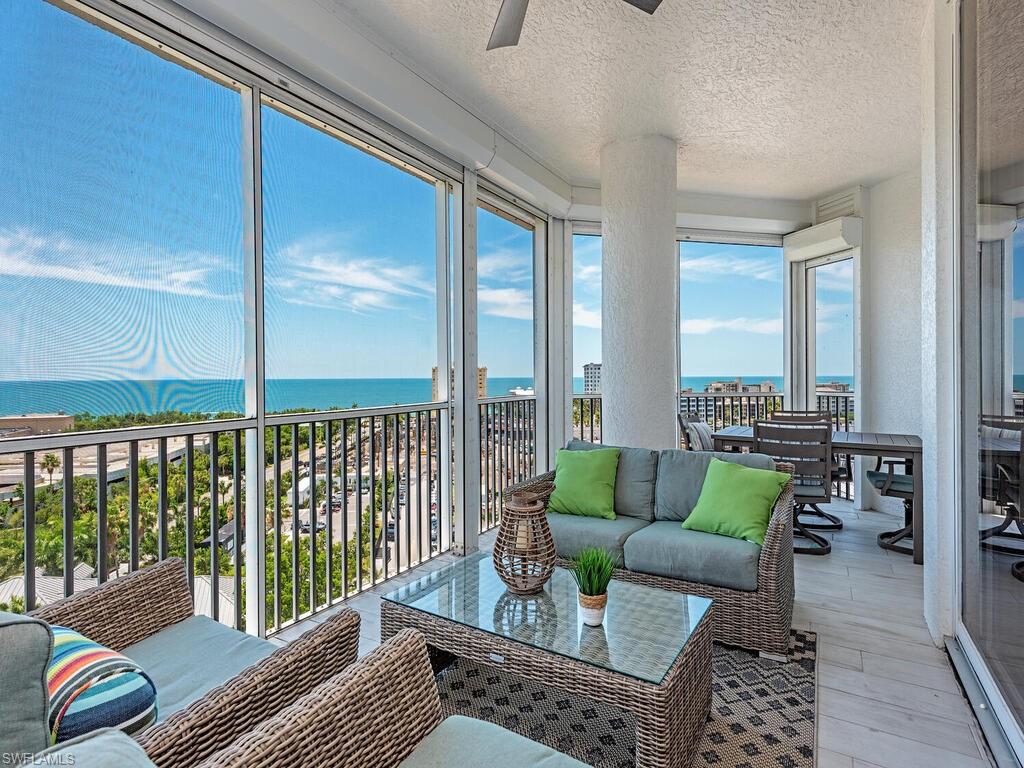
[[990, 706]]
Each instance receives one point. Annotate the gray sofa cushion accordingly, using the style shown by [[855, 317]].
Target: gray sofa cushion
[[573, 533], [665, 549], [465, 741], [681, 477], [105, 748], [26, 645], [634, 478], [193, 656]]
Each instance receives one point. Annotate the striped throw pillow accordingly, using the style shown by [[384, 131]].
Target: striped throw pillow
[[93, 687]]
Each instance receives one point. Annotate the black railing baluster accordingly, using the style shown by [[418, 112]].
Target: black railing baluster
[[373, 500], [237, 546], [312, 516], [68, 483], [419, 489], [329, 522], [102, 567], [190, 490], [29, 515], [408, 492], [359, 504], [214, 526], [277, 526], [161, 504], [344, 509], [385, 500], [133, 506], [295, 523]]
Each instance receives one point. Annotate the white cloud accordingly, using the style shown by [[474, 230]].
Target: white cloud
[[137, 266], [704, 269], [321, 272], [585, 317], [837, 276], [511, 265], [513, 303], [699, 326], [588, 274]]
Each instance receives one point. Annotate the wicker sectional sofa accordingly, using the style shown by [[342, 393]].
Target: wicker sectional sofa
[[213, 683], [655, 490]]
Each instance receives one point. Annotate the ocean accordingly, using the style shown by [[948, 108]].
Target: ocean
[[212, 396]]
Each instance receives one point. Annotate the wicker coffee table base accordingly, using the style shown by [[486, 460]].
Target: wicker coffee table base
[[670, 716]]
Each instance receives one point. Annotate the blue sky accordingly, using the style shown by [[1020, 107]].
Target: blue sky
[[121, 221], [730, 300]]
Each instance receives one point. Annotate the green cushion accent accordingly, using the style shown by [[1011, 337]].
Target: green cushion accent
[[666, 549], [572, 534], [465, 741], [681, 478], [193, 656], [901, 483], [634, 478], [585, 483], [736, 501], [105, 748], [25, 647]]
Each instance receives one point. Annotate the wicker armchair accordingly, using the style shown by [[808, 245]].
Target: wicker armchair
[[759, 620], [131, 608], [372, 714]]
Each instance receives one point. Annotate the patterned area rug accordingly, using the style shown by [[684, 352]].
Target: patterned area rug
[[762, 711]]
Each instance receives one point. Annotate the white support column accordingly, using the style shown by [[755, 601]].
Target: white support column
[[640, 279], [466, 402], [255, 487]]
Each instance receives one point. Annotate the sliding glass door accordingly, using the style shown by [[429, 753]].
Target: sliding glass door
[[991, 621]]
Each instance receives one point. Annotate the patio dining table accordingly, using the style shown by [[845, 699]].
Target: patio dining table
[[879, 444]]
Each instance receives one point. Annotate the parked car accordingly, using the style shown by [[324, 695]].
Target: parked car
[[320, 526]]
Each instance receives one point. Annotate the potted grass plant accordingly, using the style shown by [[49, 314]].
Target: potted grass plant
[[592, 570]]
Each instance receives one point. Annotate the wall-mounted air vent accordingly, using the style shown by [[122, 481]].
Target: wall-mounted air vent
[[847, 203]]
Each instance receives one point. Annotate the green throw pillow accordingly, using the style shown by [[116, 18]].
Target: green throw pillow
[[736, 501], [585, 483]]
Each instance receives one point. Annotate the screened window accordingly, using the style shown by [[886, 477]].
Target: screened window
[[120, 225], [586, 314], [505, 303], [350, 273], [730, 317]]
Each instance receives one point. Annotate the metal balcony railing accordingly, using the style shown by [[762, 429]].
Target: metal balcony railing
[[352, 498], [508, 435]]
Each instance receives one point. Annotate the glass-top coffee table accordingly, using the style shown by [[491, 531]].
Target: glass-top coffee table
[[652, 655]]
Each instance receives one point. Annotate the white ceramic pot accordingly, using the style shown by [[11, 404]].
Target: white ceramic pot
[[592, 607]]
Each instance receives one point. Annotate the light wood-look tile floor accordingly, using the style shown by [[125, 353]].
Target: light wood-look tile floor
[[888, 697]]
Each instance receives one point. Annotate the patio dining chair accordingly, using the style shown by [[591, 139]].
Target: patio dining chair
[[806, 444], [898, 485], [694, 433], [1002, 472], [839, 472]]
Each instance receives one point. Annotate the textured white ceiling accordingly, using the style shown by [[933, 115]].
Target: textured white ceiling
[[774, 98]]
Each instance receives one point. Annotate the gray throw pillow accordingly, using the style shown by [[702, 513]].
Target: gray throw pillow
[[26, 645]]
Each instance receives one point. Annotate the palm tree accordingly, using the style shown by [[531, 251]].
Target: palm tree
[[49, 464]]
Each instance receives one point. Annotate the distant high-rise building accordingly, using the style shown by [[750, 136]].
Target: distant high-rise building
[[592, 379], [481, 382], [736, 386], [834, 386]]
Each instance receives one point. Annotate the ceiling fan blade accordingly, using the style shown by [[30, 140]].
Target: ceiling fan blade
[[650, 6], [509, 24]]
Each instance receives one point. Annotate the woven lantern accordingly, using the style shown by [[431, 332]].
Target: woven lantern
[[524, 552]]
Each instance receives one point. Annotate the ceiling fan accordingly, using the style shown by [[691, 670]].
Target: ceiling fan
[[509, 23]]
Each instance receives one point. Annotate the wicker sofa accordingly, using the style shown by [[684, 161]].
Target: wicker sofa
[[213, 682], [655, 490]]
